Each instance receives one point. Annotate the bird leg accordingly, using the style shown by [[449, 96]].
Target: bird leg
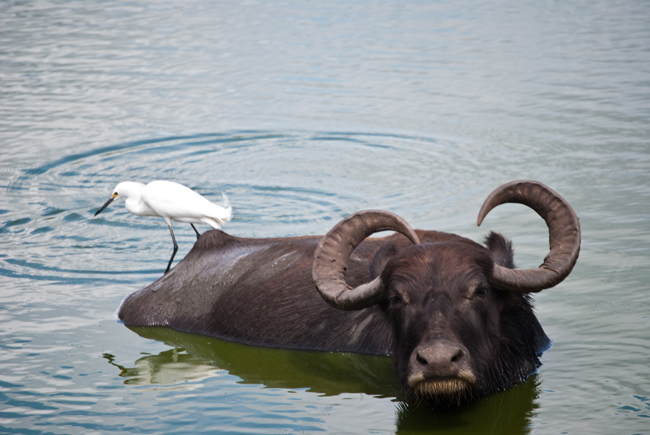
[[197, 233], [169, 224]]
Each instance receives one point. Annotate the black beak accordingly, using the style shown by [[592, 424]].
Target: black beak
[[107, 203]]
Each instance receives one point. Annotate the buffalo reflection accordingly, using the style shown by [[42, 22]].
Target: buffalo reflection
[[320, 372], [327, 374], [507, 412]]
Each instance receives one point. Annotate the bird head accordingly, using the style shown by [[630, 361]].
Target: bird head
[[124, 190]]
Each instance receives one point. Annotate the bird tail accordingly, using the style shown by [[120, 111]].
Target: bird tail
[[227, 206], [221, 215]]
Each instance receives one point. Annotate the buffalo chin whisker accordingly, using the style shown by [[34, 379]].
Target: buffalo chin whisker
[[446, 391], [441, 387]]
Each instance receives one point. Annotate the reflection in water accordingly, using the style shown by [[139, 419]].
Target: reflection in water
[[327, 374], [321, 372], [506, 412], [170, 367]]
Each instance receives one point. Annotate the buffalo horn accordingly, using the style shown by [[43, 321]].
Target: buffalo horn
[[564, 236], [334, 249]]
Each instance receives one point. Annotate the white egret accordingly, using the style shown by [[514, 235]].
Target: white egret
[[171, 201]]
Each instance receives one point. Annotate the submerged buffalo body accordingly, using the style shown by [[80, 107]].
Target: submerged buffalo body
[[454, 315]]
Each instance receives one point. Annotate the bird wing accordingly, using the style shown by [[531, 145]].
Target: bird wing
[[182, 204]]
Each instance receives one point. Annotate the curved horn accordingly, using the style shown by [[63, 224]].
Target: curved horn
[[334, 249], [564, 235]]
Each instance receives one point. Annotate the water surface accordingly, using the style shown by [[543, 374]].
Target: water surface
[[303, 113]]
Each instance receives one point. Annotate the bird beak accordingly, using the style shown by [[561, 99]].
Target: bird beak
[[107, 203]]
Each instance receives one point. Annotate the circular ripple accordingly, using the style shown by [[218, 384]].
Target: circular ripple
[[279, 184]]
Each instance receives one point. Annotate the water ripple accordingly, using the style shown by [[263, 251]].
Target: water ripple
[[256, 169]]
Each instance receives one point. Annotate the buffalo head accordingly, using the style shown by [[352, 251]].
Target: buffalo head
[[462, 320]]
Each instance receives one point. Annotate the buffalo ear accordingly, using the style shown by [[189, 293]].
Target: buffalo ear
[[383, 256], [500, 249]]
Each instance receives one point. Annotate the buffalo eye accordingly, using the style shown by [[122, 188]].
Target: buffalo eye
[[480, 291], [394, 299]]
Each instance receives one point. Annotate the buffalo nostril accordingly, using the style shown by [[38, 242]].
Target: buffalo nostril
[[442, 359], [458, 356]]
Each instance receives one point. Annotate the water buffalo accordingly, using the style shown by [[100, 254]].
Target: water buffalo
[[454, 316]]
